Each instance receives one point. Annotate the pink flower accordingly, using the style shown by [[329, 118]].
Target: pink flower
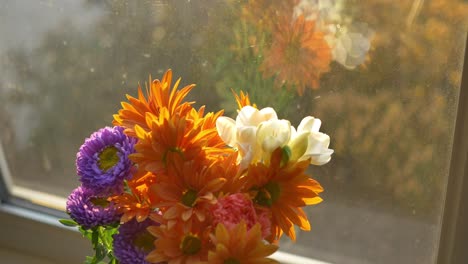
[[234, 208], [264, 219]]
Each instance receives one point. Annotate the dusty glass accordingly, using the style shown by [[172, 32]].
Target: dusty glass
[[383, 76]]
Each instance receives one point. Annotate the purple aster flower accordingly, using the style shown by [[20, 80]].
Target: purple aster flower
[[133, 242], [90, 211], [102, 162]]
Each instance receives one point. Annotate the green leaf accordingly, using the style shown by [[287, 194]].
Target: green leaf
[[105, 234], [113, 226], [93, 260], [100, 252], [86, 233], [68, 222], [286, 155], [89, 260], [95, 238]]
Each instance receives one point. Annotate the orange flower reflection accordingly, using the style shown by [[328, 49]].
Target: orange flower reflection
[[298, 56], [264, 13]]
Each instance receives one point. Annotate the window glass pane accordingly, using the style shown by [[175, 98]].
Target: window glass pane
[[382, 75]]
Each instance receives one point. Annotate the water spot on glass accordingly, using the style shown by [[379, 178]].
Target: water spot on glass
[[317, 97], [124, 75], [46, 162], [146, 55], [106, 41], [46, 3], [65, 43], [339, 28], [91, 69], [159, 33]]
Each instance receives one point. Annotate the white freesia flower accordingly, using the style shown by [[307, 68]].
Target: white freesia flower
[[257, 133], [227, 130], [251, 116], [244, 128], [242, 133], [317, 149], [308, 142], [273, 134]]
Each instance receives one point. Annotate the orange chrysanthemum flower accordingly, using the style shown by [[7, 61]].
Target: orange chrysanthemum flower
[[174, 135], [166, 126], [214, 145], [298, 56], [239, 245], [243, 100], [283, 189], [183, 243], [159, 95], [139, 201], [188, 190], [227, 167]]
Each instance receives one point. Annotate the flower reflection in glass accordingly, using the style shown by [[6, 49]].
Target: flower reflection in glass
[[298, 56]]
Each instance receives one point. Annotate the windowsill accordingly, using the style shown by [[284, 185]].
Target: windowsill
[[30, 234], [39, 198], [13, 256], [40, 236]]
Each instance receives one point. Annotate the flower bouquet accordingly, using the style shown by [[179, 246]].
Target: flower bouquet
[[172, 184]]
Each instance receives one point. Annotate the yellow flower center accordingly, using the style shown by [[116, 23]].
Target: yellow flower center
[[190, 245], [108, 158], [102, 202], [231, 261], [293, 50], [173, 150], [269, 194], [189, 197], [145, 241]]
